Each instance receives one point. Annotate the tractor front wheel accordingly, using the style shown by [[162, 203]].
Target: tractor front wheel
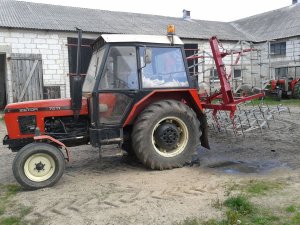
[[38, 165], [166, 135]]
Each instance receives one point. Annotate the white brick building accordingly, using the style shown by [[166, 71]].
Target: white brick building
[[40, 33]]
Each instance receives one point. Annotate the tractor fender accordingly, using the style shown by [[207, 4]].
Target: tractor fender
[[188, 96], [56, 142]]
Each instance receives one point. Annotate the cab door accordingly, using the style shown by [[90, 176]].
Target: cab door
[[118, 86]]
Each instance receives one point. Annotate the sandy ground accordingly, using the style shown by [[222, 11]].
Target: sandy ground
[[119, 190]]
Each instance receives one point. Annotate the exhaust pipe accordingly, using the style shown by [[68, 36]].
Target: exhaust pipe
[[76, 81]]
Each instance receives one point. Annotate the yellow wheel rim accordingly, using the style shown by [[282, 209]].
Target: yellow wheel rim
[[183, 139], [39, 167]]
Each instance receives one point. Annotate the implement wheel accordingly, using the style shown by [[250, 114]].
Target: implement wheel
[[166, 135], [38, 165]]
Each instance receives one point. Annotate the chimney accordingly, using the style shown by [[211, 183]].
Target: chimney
[[295, 2], [186, 14]]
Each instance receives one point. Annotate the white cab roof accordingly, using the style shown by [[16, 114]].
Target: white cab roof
[[113, 38]]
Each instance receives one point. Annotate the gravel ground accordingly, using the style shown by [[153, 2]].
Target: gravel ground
[[119, 190]]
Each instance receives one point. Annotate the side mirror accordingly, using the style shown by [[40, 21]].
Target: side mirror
[[148, 56]]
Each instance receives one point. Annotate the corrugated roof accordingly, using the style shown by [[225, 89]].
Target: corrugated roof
[[276, 24], [19, 14], [281, 23]]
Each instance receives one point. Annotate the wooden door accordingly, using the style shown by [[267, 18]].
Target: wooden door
[[27, 77]]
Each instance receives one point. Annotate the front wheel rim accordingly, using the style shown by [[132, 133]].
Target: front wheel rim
[[39, 167], [183, 139]]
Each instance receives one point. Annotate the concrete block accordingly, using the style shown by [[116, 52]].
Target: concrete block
[[53, 67], [16, 35], [11, 40], [39, 41], [30, 35], [47, 77], [52, 41], [55, 47], [31, 46], [53, 56], [49, 72], [46, 52], [56, 78], [25, 40], [43, 36], [42, 46], [14, 46], [24, 51], [49, 62], [60, 71]]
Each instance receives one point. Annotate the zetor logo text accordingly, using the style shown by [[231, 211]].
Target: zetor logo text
[[29, 110]]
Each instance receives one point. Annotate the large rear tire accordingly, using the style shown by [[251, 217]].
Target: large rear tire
[[38, 165], [166, 135]]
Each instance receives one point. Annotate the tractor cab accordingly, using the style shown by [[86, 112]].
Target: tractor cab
[[123, 70]]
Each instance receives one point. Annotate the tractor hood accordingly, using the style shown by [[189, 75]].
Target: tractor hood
[[45, 105], [23, 118]]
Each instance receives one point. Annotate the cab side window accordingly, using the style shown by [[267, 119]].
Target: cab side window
[[166, 68], [120, 71]]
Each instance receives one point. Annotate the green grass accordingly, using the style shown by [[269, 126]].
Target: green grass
[[240, 204], [272, 101], [9, 207], [257, 187], [189, 221], [12, 220], [291, 209], [296, 219]]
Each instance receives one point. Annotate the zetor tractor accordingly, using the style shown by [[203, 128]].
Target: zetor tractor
[[137, 93], [284, 87]]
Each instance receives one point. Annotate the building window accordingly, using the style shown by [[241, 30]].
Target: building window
[[298, 72], [237, 73], [191, 50], [281, 72], [278, 49], [214, 74], [51, 92]]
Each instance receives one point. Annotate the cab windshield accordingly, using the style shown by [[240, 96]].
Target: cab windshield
[[93, 70]]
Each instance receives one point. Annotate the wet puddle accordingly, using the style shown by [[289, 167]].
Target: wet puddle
[[241, 167]]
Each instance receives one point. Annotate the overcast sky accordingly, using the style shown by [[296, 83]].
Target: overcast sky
[[217, 10]]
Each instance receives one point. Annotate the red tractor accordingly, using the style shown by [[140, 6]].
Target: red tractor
[[137, 93], [284, 87]]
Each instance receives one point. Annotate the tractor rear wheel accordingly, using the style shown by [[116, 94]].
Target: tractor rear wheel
[[166, 135], [38, 165]]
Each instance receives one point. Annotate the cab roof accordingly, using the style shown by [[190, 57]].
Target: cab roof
[[122, 38]]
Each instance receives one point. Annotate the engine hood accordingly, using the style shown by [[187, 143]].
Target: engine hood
[[44, 105]]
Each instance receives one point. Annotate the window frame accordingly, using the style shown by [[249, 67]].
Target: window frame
[[97, 86], [274, 48], [282, 68], [186, 70]]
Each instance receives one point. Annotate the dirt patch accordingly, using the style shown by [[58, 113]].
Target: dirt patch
[[119, 190]]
